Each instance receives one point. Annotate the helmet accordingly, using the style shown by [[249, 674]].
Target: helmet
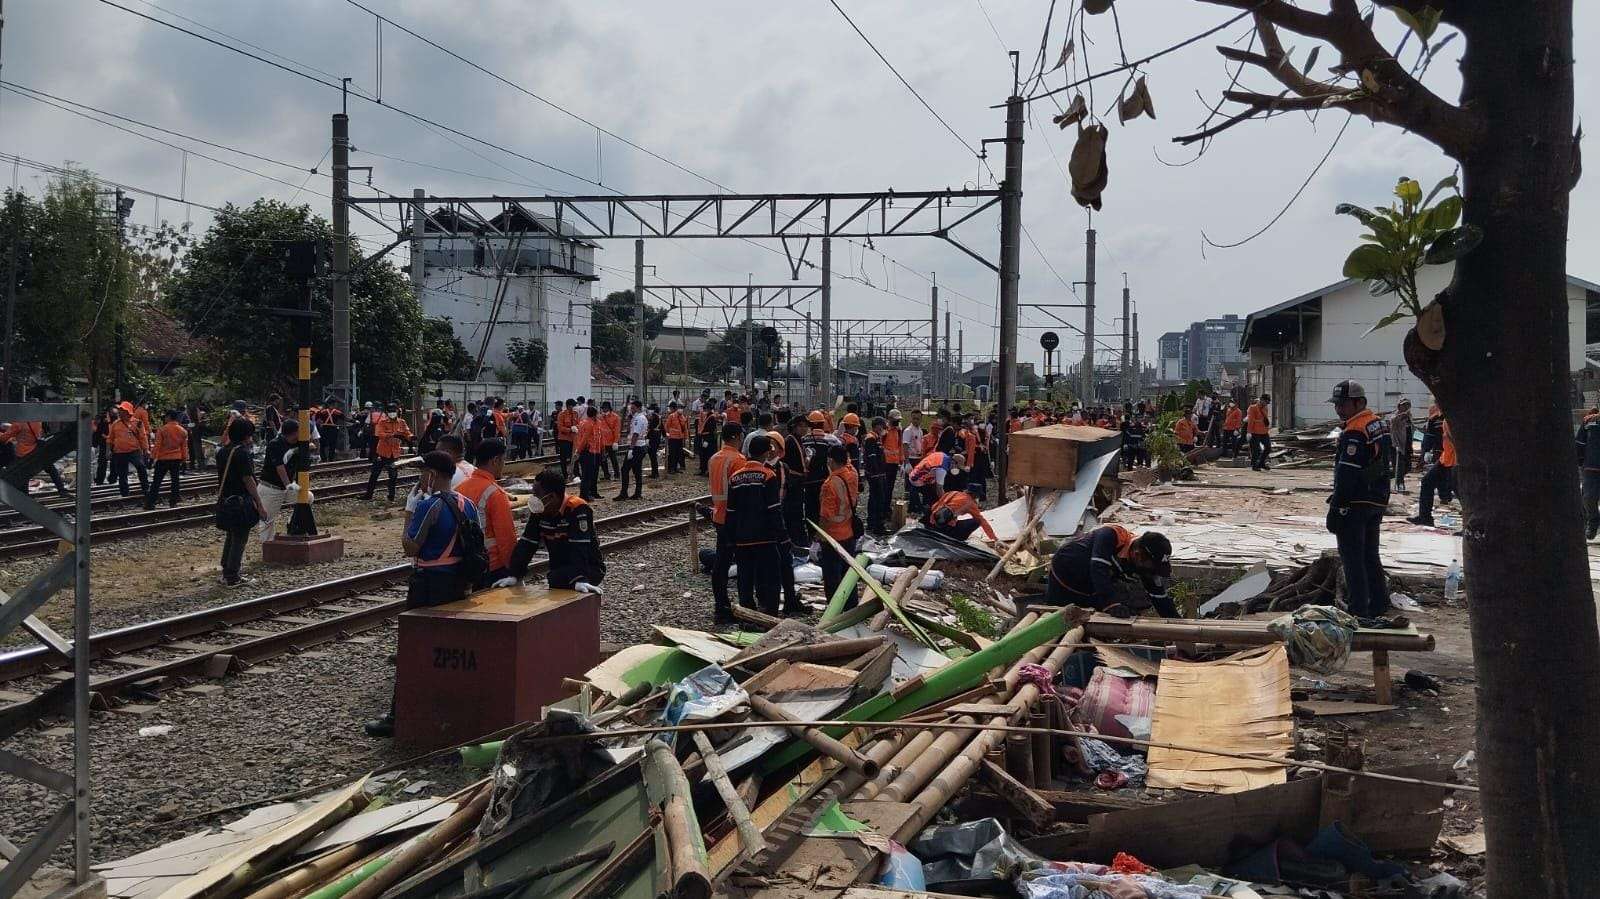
[[894, 414], [1347, 390], [817, 418], [851, 419]]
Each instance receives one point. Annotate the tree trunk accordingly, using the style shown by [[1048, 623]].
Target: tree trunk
[[1502, 378]]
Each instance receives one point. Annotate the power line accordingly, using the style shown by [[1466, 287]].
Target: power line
[[80, 173], [931, 111], [546, 101], [1134, 64]]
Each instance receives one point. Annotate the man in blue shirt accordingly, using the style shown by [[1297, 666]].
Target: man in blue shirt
[[430, 541]]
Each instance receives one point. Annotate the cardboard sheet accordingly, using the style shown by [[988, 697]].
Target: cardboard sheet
[[699, 644], [398, 818], [1066, 512], [1237, 704]]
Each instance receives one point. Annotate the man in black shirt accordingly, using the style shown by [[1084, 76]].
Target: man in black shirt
[[1094, 570], [281, 463]]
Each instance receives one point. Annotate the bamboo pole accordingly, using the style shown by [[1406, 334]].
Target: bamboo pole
[[417, 851], [749, 835], [846, 589], [811, 652], [686, 848], [1043, 763], [818, 740], [314, 872], [914, 748]]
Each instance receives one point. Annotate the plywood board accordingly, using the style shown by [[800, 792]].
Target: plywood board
[[839, 861], [1238, 704], [392, 819], [1324, 708]]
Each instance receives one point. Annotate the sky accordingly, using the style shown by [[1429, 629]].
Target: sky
[[763, 98]]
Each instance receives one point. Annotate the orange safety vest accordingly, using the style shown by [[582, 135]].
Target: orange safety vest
[[1234, 420], [612, 422], [1447, 453], [389, 434], [26, 434], [1257, 418], [172, 443], [1183, 429], [839, 494], [126, 437], [566, 420], [494, 515], [720, 468], [675, 425], [894, 450]]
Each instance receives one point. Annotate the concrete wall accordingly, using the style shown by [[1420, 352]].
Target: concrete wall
[[554, 309]]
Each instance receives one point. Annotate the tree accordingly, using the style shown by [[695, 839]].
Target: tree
[[614, 328], [444, 357], [725, 352], [78, 282], [1501, 325], [235, 275], [528, 356]]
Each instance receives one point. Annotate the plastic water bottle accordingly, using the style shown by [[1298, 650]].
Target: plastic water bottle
[[1452, 580]]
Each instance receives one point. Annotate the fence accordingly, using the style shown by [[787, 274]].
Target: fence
[[532, 393]]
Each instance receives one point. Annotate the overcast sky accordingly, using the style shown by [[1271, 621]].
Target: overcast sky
[[762, 97]]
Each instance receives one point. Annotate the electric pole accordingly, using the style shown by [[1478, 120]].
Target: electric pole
[[1138, 373], [1088, 320], [805, 362], [119, 350], [1010, 276], [961, 351], [825, 361], [1122, 363], [749, 337], [11, 306], [638, 312], [339, 281], [944, 361], [933, 341]]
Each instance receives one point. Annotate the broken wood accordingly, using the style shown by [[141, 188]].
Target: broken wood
[[686, 849], [1018, 795], [751, 616], [818, 740], [749, 835]]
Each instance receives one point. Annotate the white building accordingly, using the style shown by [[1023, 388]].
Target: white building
[[517, 279], [1300, 348]]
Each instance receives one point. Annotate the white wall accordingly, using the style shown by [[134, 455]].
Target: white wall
[[554, 309]]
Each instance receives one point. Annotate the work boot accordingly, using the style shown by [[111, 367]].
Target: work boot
[[380, 727], [1419, 520], [724, 615], [1592, 530]]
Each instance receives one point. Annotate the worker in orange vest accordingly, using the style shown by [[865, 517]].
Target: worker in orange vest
[[676, 427], [612, 423], [171, 452], [1183, 431], [1440, 478], [839, 521], [1232, 424], [723, 464], [128, 446], [494, 508], [566, 425], [753, 523], [1256, 418], [590, 444], [945, 516], [24, 437], [389, 432]]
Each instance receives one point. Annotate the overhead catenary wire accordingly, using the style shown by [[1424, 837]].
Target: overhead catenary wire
[[1089, 79]]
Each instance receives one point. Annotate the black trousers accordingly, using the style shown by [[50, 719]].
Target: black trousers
[[674, 455], [655, 452], [589, 475], [719, 568], [102, 463], [834, 568], [1260, 448], [119, 471], [1402, 459], [879, 489], [165, 468], [233, 544], [791, 599], [197, 448], [379, 464], [564, 450], [1230, 444], [759, 577], [794, 514], [813, 498], [608, 462], [634, 466], [914, 495], [1591, 499], [704, 451], [564, 576], [330, 443], [959, 530], [1366, 587], [1440, 480]]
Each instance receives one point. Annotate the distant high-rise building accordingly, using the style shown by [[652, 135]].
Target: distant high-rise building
[[1210, 344], [1173, 357]]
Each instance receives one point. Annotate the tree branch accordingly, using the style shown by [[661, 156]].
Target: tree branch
[[1221, 126], [1393, 95]]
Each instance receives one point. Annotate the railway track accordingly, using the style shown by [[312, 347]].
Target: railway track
[[31, 540], [212, 642]]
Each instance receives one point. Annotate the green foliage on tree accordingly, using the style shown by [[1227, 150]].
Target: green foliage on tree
[[444, 356], [1403, 237], [725, 352], [613, 327], [236, 274], [1163, 446], [528, 357], [77, 280]]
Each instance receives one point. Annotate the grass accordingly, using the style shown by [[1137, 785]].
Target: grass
[[974, 619]]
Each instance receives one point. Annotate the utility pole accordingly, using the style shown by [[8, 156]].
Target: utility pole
[[805, 361], [961, 351], [638, 317], [1127, 305], [339, 282], [1138, 373], [933, 341], [120, 331], [11, 306], [1087, 388], [825, 361], [749, 337], [944, 361], [1010, 276]]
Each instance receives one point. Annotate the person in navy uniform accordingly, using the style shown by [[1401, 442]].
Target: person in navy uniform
[[564, 526], [1589, 463], [1097, 570], [1362, 475]]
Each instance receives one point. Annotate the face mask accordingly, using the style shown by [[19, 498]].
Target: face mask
[[393, 415]]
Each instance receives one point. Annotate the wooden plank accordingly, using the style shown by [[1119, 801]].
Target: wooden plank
[[1382, 681], [836, 862], [1323, 708], [1398, 818], [1018, 795]]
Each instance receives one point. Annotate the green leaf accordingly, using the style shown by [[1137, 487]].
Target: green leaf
[[1424, 24], [1365, 215], [1409, 191], [1386, 321], [1367, 262], [1452, 245], [1445, 215], [1448, 182], [1386, 233]]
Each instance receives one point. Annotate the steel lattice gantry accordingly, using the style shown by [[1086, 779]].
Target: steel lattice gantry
[[71, 567]]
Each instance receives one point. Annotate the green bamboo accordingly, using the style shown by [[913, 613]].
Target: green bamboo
[[918, 633], [349, 882], [958, 676], [846, 587], [480, 756]]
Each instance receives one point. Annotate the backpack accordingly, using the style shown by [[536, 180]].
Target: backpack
[[470, 547]]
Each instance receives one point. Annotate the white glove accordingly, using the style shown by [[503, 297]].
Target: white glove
[[586, 587], [506, 582]]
